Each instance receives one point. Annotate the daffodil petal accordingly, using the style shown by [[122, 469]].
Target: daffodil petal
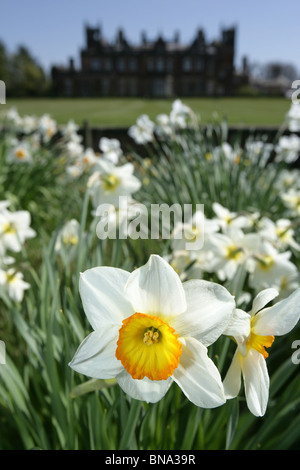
[[209, 310], [102, 295], [95, 357], [233, 379], [262, 299], [239, 325], [198, 377], [156, 289], [279, 319], [147, 390], [256, 381]]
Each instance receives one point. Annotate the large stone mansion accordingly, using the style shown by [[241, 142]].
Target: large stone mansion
[[156, 68]]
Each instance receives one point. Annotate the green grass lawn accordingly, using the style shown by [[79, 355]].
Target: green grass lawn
[[123, 112]]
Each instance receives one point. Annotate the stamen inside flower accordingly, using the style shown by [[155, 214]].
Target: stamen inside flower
[[283, 233], [9, 228], [148, 347], [70, 240], [10, 276], [259, 342], [194, 233], [151, 336], [234, 252], [266, 262], [283, 283], [20, 154], [50, 132], [228, 218], [110, 182], [237, 159]]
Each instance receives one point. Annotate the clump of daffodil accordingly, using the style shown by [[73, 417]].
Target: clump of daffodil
[[151, 330]]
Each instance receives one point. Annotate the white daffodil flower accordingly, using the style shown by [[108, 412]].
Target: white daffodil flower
[[193, 233], [291, 200], [258, 152], [74, 150], [87, 160], [270, 268], [287, 179], [164, 126], [227, 218], [20, 154], [143, 131], [47, 127], [109, 182], [111, 149], [151, 330], [13, 284], [257, 330], [179, 114], [74, 171], [281, 233], [228, 152], [15, 229], [70, 129], [288, 148], [67, 239], [232, 250]]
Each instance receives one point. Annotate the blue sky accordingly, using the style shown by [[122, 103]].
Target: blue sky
[[267, 30]]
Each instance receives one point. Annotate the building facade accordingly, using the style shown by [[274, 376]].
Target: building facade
[[156, 68]]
